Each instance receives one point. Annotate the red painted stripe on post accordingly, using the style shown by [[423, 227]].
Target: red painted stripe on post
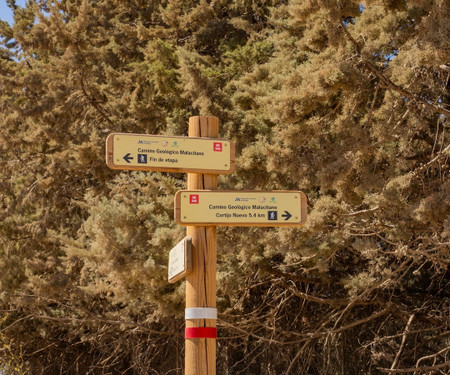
[[200, 333]]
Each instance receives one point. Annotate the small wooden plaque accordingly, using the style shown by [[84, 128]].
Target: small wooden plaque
[[180, 260]]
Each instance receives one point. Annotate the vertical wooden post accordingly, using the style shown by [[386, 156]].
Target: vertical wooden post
[[200, 353]]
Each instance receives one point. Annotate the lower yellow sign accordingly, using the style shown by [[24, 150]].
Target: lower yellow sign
[[240, 208]]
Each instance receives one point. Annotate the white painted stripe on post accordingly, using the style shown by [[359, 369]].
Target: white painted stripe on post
[[200, 313]]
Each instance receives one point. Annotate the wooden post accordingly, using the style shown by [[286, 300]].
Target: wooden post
[[200, 353]]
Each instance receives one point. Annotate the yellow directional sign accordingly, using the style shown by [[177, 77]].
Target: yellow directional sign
[[240, 208], [169, 154]]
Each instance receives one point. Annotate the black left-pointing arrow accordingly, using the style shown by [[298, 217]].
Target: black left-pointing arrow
[[286, 215], [127, 158]]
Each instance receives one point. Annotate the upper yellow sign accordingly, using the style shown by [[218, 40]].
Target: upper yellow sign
[[169, 154], [240, 208]]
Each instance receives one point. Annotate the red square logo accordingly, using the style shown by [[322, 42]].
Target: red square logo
[[193, 198], [217, 146]]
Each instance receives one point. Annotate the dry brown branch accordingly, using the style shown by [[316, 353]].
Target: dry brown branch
[[311, 298], [301, 279], [335, 302], [94, 318], [321, 332], [92, 100], [372, 106], [402, 345], [433, 355], [415, 369], [362, 321], [15, 322], [361, 212], [107, 321], [438, 156]]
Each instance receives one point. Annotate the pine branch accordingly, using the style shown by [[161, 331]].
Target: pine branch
[[412, 97], [438, 156], [93, 101]]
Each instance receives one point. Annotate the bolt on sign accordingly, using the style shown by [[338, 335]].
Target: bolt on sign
[[240, 208], [143, 152]]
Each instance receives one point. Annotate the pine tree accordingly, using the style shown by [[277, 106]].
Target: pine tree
[[346, 101]]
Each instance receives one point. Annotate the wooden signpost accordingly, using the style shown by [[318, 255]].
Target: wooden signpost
[[201, 209]]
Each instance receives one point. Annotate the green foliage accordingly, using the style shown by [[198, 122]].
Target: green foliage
[[349, 104]]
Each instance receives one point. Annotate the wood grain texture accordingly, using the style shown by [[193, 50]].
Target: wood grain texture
[[110, 151], [200, 354]]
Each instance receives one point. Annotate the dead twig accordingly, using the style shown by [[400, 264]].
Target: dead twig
[[415, 369], [402, 345]]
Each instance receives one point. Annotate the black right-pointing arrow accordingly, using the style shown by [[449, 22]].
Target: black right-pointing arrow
[[127, 158], [286, 215]]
